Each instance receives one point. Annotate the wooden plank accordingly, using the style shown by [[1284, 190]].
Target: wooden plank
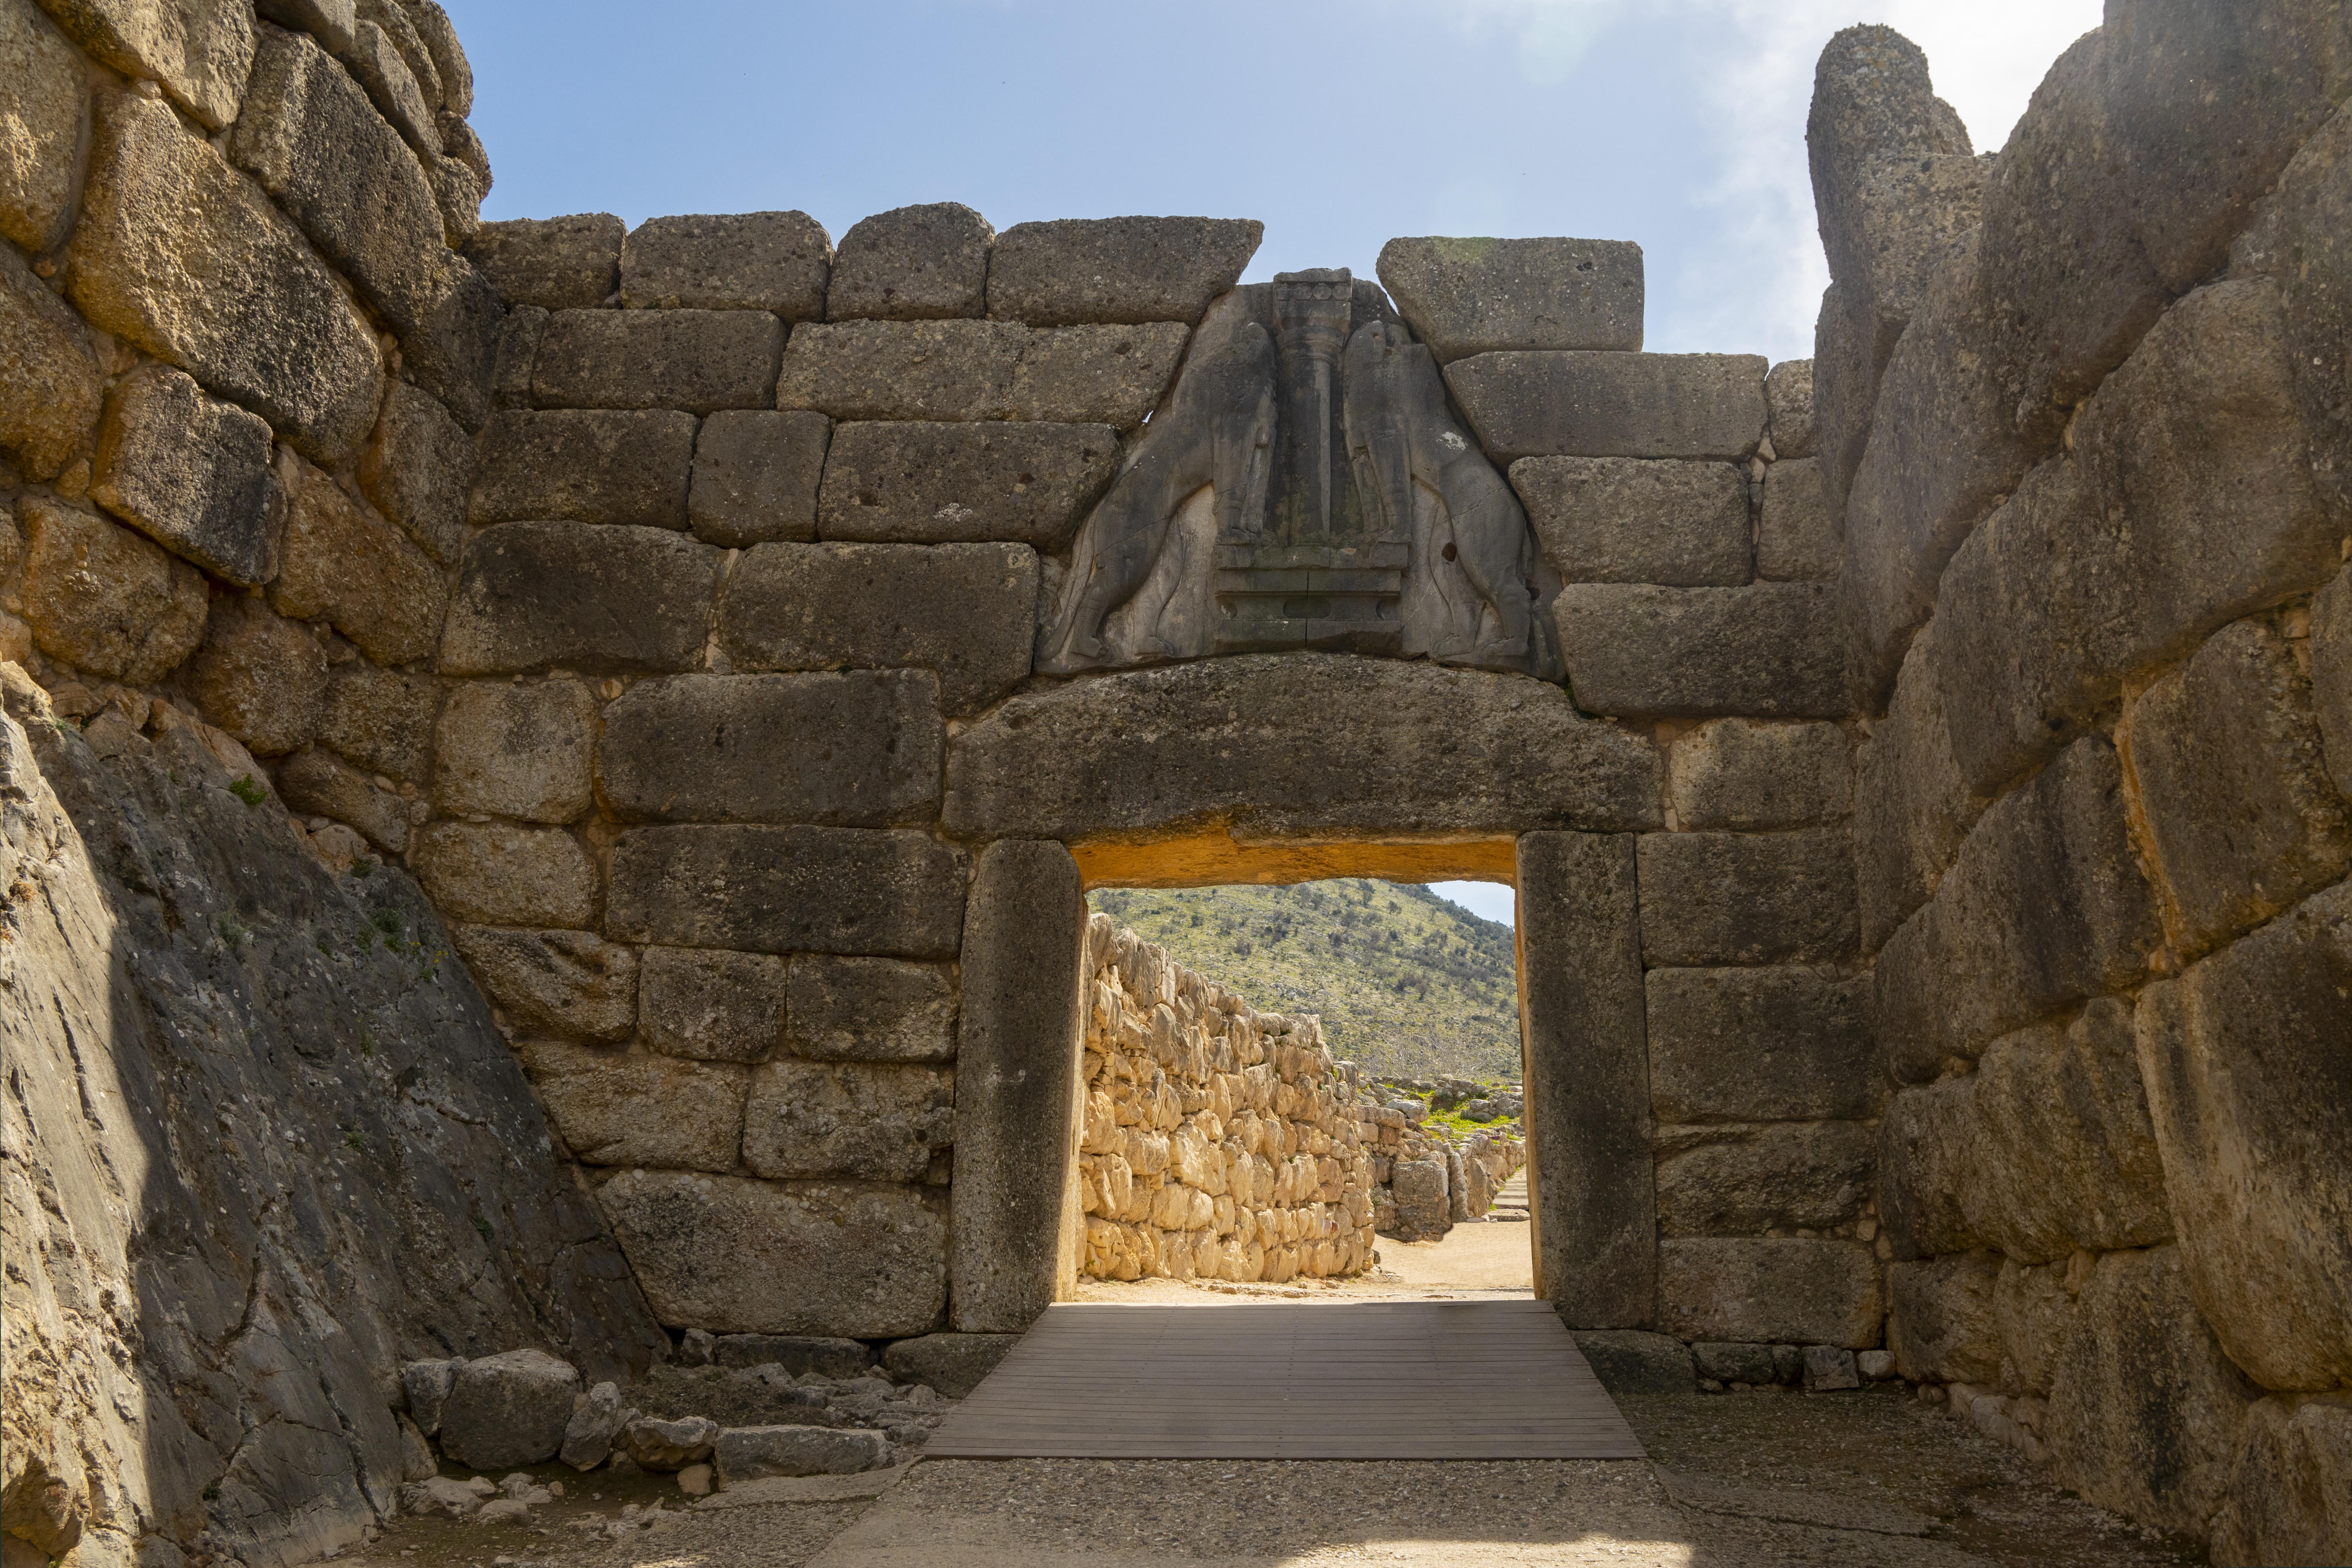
[[1369, 1380]]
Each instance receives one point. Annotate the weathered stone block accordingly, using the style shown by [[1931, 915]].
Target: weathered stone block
[[505, 750], [711, 1005], [2164, 1461], [1628, 1361], [497, 873], [539, 594], [965, 612], [954, 1364], [585, 466], [860, 1121], [517, 347], [417, 470], [700, 360], [981, 370], [262, 678], [508, 1409], [2300, 241], [1912, 808], [200, 55], [870, 1009], [41, 126], [856, 749], [381, 719], [1728, 1363], [1783, 1291], [1627, 519], [103, 599], [1125, 269], [554, 263], [1711, 898], [614, 1108], [2290, 1495], [1941, 1322], [2246, 1064], [1015, 1088], [1568, 403], [1759, 1045], [912, 264], [178, 254], [191, 473], [316, 784], [2240, 815], [920, 482], [788, 889], [1741, 1180], [2045, 906], [735, 261], [342, 562], [756, 473], [747, 1453], [1771, 649], [1477, 296], [730, 1255], [1243, 738], [377, 61], [1788, 405], [1845, 392], [1797, 539], [799, 1354], [2035, 1313], [1743, 775], [565, 983], [2331, 676], [49, 379], [668, 1447]]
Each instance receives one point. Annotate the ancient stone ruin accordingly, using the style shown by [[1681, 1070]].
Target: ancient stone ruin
[[552, 771]]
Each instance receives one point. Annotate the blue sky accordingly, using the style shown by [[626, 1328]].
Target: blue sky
[[1340, 123]]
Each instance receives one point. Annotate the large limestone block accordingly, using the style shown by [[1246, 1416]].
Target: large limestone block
[[856, 749], [508, 1409], [895, 894], [519, 751], [2047, 1148], [1020, 1021], [178, 254], [1943, 1320], [539, 594], [1466, 297], [1772, 649], [417, 470], [1247, 740], [870, 1009], [342, 562], [699, 361], [773, 261], [1715, 898], [259, 677], [1789, 397], [756, 473], [912, 264], [1759, 1045], [1797, 538], [2304, 240], [2189, 503], [103, 599], [856, 1120], [1597, 1258], [924, 482], [614, 1108], [2034, 1312], [2164, 1460], [1569, 404], [1782, 1291], [952, 1364], [565, 983], [711, 1005], [381, 719], [965, 612], [316, 784], [1745, 775], [517, 347], [1125, 269], [2290, 1495], [733, 1256], [981, 370], [2240, 812], [748, 1453], [1912, 809], [1743, 1179], [585, 466], [2046, 905], [554, 263], [191, 473], [377, 61], [497, 873], [49, 380], [2245, 1057], [198, 54], [42, 123], [1845, 393], [1627, 519]]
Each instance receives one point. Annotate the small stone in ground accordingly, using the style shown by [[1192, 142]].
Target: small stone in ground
[[694, 1481]]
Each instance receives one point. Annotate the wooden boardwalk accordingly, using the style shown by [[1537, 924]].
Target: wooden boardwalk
[[1353, 1380]]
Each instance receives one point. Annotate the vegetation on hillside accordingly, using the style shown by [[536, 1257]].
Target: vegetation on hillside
[[1407, 984]]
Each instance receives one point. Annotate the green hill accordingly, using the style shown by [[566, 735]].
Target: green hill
[[1406, 984]]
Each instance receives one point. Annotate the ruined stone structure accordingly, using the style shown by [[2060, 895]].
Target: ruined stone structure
[[1922, 769]]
